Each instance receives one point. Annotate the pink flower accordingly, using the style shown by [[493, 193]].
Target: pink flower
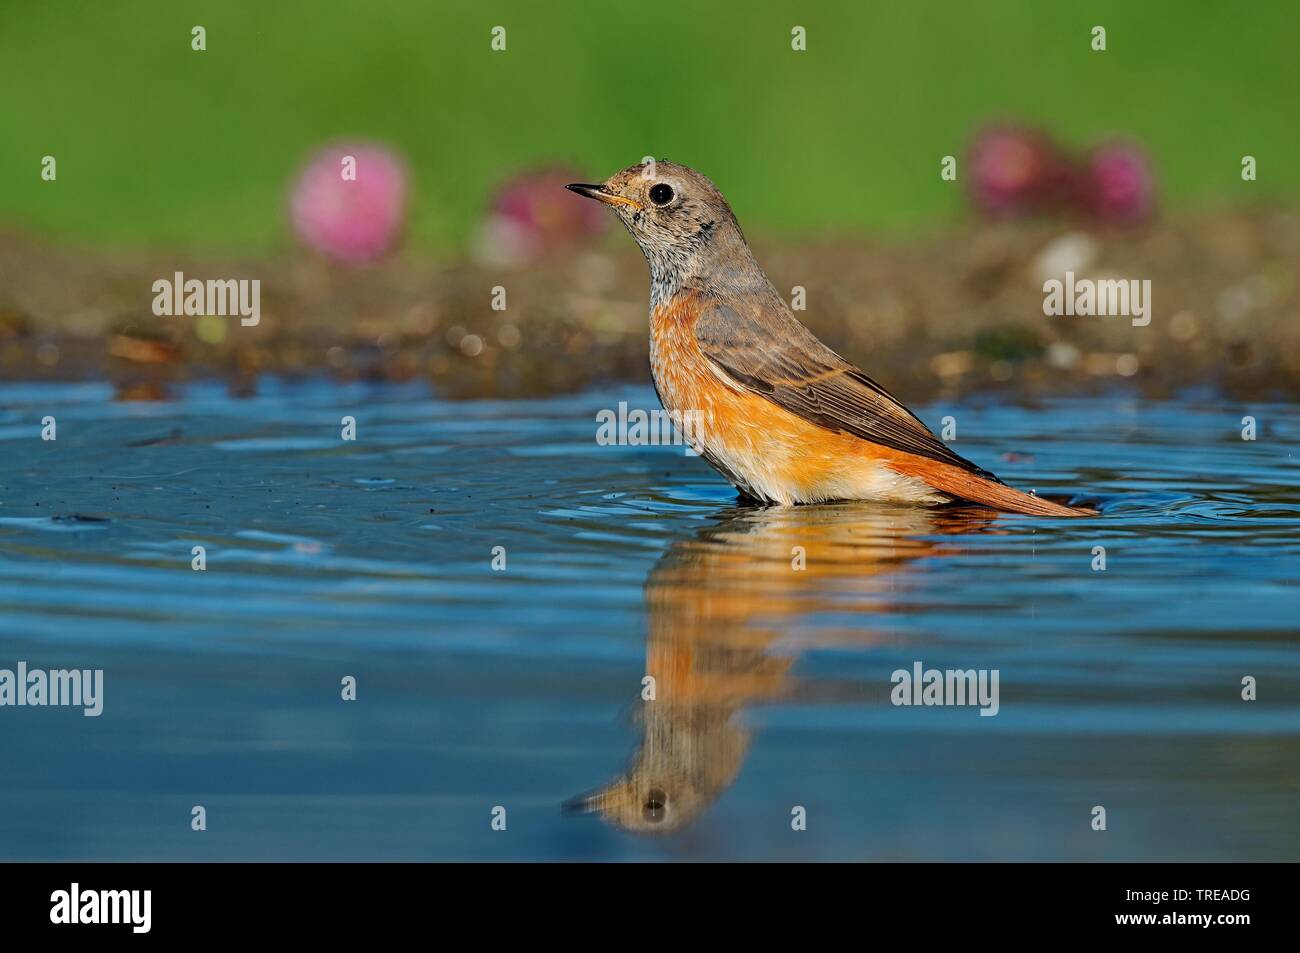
[[1117, 184], [349, 203], [1016, 171], [532, 213]]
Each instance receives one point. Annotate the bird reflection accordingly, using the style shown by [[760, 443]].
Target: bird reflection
[[719, 603]]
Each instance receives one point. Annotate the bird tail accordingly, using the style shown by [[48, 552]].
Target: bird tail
[[974, 488]]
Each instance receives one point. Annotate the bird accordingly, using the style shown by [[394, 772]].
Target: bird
[[779, 414]]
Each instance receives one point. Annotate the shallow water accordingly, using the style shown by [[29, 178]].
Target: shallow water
[[521, 688]]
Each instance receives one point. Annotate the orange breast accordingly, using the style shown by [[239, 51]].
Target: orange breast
[[767, 450]]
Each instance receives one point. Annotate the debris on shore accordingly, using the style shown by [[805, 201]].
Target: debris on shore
[[953, 313]]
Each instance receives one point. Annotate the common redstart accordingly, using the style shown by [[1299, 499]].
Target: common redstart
[[774, 410]]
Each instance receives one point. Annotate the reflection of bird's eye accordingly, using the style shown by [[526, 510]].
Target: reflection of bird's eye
[[661, 194], [655, 803]]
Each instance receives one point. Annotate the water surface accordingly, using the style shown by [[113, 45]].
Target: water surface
[[772, 635]]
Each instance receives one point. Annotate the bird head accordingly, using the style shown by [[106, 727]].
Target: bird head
[[640, 805], [688, 756], [675, 214]]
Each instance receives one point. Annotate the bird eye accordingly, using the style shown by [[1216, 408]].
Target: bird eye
[[656, 802], [661, 194]]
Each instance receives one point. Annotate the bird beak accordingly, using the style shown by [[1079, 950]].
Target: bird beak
[[587, 803], [602, 194]]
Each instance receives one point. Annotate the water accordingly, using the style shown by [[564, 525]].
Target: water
[[521, 688]]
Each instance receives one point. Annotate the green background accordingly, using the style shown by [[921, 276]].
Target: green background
[[157, 144]]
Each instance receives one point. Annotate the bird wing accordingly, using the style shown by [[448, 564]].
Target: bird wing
[[769, 353]]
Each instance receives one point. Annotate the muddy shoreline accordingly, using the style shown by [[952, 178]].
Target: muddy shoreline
[[951, 314]]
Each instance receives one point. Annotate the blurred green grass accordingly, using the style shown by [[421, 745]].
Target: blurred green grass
[[157, 144]]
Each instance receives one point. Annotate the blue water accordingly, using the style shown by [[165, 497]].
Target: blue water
[[520, 688]]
